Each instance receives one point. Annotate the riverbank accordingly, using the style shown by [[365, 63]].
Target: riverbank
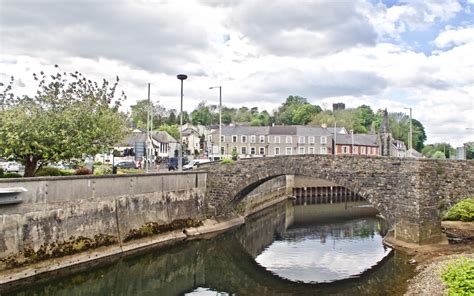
[[38, 271], [430, 259]]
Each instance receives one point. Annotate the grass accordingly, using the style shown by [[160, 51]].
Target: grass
[[462, 211], [459, 276], [227, 161]]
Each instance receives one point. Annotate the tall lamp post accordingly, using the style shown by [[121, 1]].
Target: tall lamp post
[[335, 135], [220, 116], [410, 136], [181, 77]]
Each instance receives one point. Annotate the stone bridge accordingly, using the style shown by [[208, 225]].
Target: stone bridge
[[410, 193]]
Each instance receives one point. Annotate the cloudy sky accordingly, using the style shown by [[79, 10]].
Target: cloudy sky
[[384, 53]]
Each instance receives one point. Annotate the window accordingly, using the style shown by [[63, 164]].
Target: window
[[311, 150], [362, 150], [261, 151], [356, 150], [288, 140], [252, 139], [222, 150], [311, 140], [288, 150], [234, 139], [301, 150], [324, 140], [262, 139], [222, 138], [323, 150], [253, 151], [277, 139], [345, 149], [209, 138], [277, 150], [243, 139], [301, 139], [243, 149]]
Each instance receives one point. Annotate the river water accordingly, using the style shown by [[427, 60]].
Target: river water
[[284, 250]]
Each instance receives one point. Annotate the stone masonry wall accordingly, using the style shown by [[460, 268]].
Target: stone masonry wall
[[54, 209], [410, 193]]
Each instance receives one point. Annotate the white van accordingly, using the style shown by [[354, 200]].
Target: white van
[[194, 163]]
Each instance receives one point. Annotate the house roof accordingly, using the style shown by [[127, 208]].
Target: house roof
[[140, 137], [399, 145], [243, 130], [312, 131], [359, 140], [283, 130]]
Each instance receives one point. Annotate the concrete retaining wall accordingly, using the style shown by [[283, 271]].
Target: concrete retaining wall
[[54, 209]]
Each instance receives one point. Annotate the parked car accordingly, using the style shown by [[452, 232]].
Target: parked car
[[10, 166], [193, 163], [130, 164]]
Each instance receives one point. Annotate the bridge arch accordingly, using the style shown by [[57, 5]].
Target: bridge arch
[[406, 191]]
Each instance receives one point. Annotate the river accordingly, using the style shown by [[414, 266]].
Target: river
[[284, 250]]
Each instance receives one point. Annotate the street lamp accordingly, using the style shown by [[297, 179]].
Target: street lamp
[[410, 136], [220, 116], [335, 135], [181, 77]]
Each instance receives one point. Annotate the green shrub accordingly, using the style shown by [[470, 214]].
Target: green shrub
[[226, 161], [48, 171], [459, 276], [67, 172], [10, 175], [83, 171], [1, 172], [462, 211], [102, 170]]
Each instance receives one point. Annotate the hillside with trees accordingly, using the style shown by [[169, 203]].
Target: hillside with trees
[[295, 110]]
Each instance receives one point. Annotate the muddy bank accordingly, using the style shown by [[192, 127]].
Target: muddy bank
[[430, 259]]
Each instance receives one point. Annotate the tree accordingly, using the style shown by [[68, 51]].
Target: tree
[[171, 118], [438, 155], [70, 116], [140, 112], [172, 130], [296, 110]]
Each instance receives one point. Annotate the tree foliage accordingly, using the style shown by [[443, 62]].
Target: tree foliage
[[70, 116], [140, 111], [438, 150], [296, 111], [172, 130]]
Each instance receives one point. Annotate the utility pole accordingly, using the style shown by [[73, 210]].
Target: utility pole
[[147, 142], [335, 135], [220, 117]]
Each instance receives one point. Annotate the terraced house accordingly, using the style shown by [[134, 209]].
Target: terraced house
[[252, 141]]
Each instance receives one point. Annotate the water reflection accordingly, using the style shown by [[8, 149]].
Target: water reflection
[[326, 252], [225, 265]]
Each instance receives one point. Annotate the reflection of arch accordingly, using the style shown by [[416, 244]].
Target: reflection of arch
[[406, 191], [260, 281]]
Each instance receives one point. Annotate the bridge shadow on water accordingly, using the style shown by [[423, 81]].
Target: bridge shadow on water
[[224, 263]]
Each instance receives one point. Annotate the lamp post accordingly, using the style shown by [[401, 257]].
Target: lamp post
[[335, 141], [410, 136], [181, 77], [220, 116]]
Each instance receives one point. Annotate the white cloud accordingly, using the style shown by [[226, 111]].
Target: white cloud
[[457, 36], [260, 53]]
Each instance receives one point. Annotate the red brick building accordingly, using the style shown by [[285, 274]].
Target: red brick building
[[357, 144]]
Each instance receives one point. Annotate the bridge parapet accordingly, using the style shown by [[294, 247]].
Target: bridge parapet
[[410, 193]]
